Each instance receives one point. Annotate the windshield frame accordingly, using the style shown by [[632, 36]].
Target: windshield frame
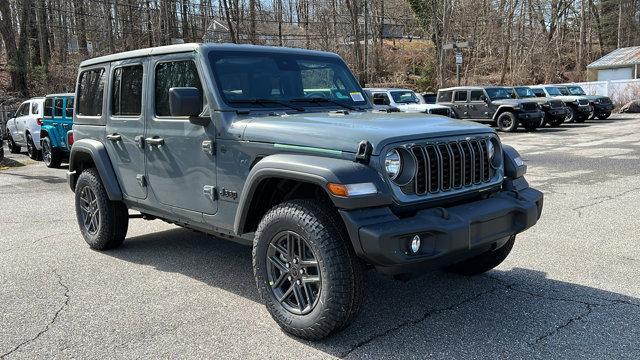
[[226, 104], [497, 89]]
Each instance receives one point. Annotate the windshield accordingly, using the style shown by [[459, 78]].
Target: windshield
[[498, 93], [405, 97], [553, 91], [525, 92], [263, 80], [564, 91], [576, 90]]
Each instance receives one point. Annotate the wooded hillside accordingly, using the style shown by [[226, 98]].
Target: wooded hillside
[[395, 42]]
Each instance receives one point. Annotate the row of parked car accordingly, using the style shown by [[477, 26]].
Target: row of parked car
[[43, 125], [505, 107]]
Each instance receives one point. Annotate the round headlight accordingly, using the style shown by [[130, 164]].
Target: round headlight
[[393, 164], [491, 150]]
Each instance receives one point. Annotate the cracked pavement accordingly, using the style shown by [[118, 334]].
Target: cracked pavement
[[569, 289]]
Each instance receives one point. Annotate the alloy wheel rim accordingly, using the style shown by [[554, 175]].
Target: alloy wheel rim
[[29, 147], [90, 213], [293, 273], [506, 122]]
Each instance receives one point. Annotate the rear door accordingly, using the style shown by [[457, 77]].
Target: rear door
[[181, 165], [460, 98], [125, 125]]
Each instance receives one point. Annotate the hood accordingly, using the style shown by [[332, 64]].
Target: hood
[[512, 101], [419, 107], [595, 97], [539, 100], [569, 98], [344, 132]]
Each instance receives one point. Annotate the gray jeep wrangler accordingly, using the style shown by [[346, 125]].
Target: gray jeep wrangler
[[280, 149], [492, 104]]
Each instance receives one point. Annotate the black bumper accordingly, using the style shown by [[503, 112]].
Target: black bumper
[[560, 113], [447, 235], [602, 108], [584, 110], [529, 117]]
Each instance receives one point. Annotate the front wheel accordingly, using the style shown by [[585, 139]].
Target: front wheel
[[50, 156], [32, 151], [507, 122], [13, 147], [103, 223], [483, 262], [305, 270], [604, 115]]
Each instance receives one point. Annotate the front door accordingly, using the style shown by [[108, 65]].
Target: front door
[[125, 128], [21, 124], [478, 108], [181, 165]]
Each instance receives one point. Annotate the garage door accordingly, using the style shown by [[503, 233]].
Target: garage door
[[615, 74]]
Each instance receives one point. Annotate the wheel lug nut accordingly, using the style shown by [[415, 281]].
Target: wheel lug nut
[[289, 278], [288, 265], [298, 282]]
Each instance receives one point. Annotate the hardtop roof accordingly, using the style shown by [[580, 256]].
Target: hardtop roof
[[182, 48], [60, 95]]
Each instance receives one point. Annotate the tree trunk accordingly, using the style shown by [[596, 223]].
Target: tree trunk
[[82, 31], [18, 77], [43, 35]]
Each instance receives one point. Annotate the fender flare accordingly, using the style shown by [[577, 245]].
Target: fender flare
[[500, 110], [315, 170], [98, 154]]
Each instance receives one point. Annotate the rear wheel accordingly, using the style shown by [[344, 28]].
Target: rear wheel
[[32, 151], [50, 156], [483, 262], [13, 147], [305, 270], [507, 122], [103, 223], [604, 115]]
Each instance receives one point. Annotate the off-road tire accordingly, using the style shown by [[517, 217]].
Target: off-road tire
[[13, 148], [573, 115], [484, 262], [113, 215], [507, 122], [32, 151], [341, 272], [50, 156], [604, 116]]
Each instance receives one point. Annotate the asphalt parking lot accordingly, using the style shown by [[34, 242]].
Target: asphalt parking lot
[[569, 289]]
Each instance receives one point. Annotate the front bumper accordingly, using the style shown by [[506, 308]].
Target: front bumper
[[560, 113], [448, 235], [602, 108], [584, 110], [530, 117]]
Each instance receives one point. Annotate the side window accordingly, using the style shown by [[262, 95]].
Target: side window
[[126, 93], [24, 109], [476, 95], [381, 99], [90, 92], [173, 74], [445, 96], [69, 108], [48, 107], [35, 108], [460, 96], [58, 107]]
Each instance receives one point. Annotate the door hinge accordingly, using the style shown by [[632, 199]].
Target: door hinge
[[209, 147], [210, 192], [142, 180]]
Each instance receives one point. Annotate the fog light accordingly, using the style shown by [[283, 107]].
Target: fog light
[[415, 244]]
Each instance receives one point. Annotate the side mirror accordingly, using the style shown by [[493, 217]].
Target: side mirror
[[187, 101], [483, 98]]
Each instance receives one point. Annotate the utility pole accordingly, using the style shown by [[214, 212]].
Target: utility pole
[[458, 46], [366, 42]]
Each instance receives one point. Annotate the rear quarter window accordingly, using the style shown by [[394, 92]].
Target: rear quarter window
[[90, 92]]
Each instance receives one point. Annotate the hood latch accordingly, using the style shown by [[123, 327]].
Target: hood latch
[[363, 154]]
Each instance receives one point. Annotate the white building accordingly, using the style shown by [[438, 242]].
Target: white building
[[620, 64]]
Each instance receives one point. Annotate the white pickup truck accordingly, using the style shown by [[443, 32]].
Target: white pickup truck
[[23, 130], [405, 100]]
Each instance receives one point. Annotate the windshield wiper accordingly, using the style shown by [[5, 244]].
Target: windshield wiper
[[315, 100], [264, 101]]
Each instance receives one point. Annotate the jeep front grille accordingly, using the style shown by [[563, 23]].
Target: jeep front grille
[[555, 104], [583, 102], [447, 166], [529, 106], [605, 100]]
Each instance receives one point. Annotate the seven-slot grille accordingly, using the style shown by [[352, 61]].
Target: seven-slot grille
[[605, 100], [554, 104], [529, 106], [583, 102], [446, 166]]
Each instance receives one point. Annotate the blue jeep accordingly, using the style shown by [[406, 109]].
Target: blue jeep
[[56, 128]]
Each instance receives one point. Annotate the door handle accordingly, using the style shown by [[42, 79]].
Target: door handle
[[114, 137], [155, 141]]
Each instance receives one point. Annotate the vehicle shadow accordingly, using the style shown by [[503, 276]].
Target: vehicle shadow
[[516, 313]]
